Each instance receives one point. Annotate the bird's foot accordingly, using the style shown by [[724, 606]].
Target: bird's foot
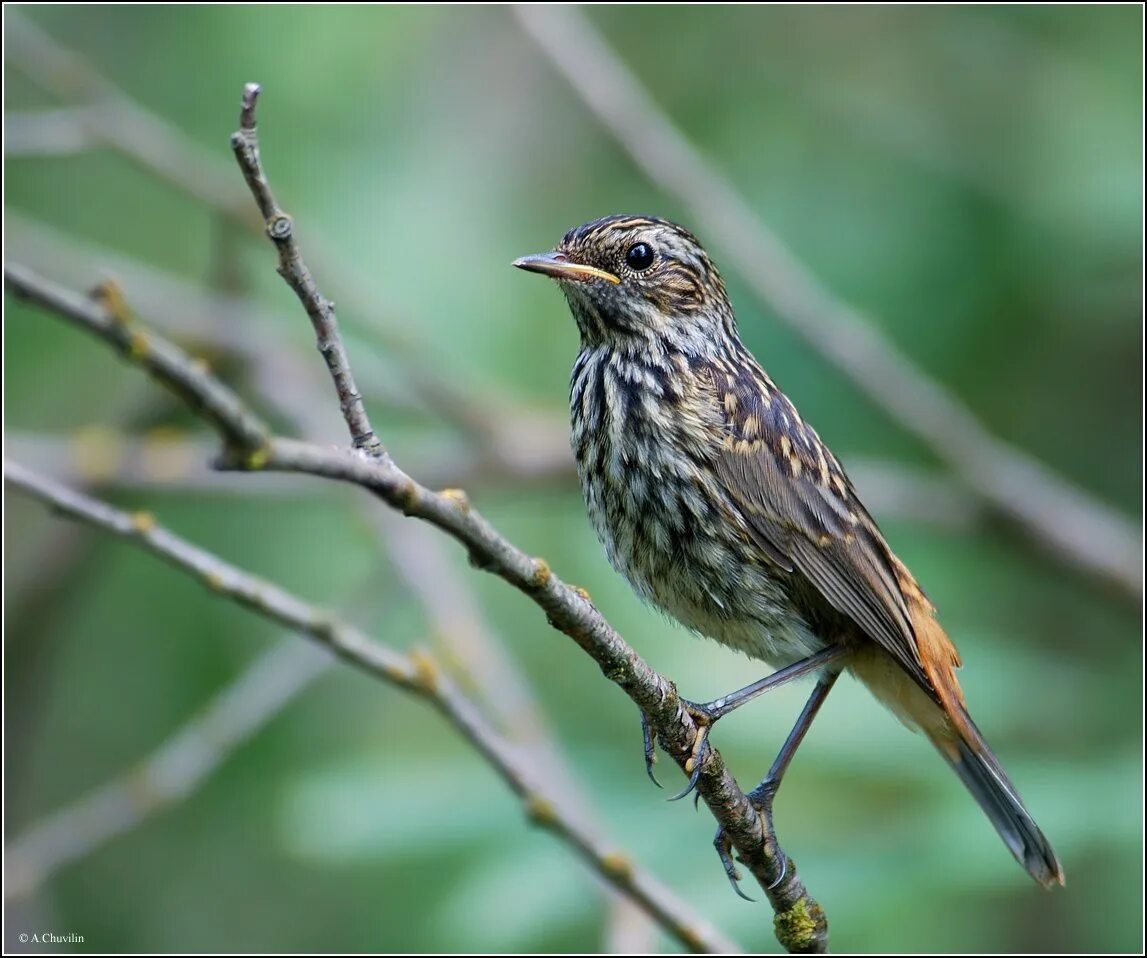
[[704, 717], [706, 714], [761, 798]]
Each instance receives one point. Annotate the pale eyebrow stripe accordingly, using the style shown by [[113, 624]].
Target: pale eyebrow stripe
[[630, 223]]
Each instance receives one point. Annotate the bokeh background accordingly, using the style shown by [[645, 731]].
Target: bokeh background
[[968, 176]]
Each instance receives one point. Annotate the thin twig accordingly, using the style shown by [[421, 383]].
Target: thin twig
[[223, 324], [107, 315], [416, 673], [281, 230], [171, 773], [801, 924], [1067, 521]]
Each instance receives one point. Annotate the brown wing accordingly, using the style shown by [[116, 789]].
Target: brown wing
[[802, 510]]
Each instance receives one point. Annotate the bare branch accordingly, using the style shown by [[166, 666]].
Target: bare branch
[[416, 673], [171, 773], [1065, 520], [280, 228], [107, 315]]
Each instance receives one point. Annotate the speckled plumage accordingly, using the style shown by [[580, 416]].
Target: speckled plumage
[[643, 434], [721, 506]]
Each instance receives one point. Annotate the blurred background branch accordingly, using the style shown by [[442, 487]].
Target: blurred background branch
[[175, 770], [107, 117]]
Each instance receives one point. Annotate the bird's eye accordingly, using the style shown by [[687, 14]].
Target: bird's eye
[[639, 256]]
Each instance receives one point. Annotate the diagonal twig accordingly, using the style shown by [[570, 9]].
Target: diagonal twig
[[416, 673], [107, 315]]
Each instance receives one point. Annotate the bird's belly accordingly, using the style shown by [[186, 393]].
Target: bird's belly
[[674, 545]]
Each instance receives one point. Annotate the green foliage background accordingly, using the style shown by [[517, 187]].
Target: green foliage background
[[970, 176]]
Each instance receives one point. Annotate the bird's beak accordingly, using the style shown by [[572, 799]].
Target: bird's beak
[[560, 266]]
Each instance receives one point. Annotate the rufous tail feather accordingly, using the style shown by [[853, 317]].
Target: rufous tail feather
[[964, 748]]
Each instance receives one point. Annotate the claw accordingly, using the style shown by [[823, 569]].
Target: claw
[[762, 800], [690, 785], [695, 761], [762, 797], [784, 871], [650, 754], [723, 845]]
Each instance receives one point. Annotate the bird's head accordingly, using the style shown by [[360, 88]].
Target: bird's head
[[634, 280]]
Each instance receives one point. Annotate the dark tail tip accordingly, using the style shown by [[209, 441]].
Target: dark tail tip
[[982, 775]]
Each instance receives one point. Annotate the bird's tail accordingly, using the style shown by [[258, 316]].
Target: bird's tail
[[980, 771], [937, 708]]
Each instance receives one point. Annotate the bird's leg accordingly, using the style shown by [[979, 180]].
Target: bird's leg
[[762, 796], [764, 793], [721, 707], [706, 714]]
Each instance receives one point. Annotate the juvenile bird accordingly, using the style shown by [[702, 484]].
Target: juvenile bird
[[724, 508]]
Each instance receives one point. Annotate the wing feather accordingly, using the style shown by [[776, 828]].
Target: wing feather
[[802, 510]]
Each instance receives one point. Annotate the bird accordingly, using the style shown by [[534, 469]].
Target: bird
[[723, 508]]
